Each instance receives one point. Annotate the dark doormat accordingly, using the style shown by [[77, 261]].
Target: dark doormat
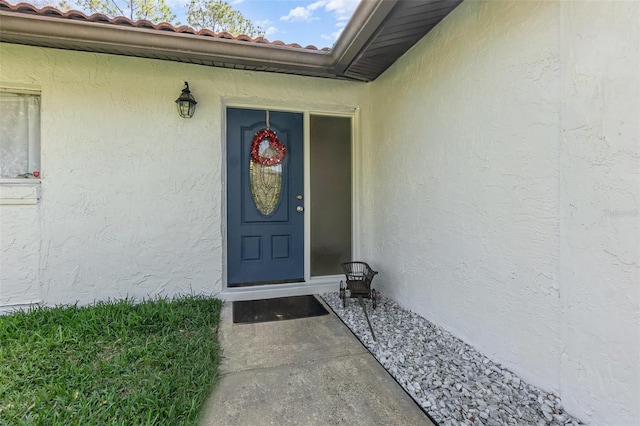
[[281, 308]]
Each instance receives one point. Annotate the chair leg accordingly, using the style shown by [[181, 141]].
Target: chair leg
[[343, 295], [367, 317]]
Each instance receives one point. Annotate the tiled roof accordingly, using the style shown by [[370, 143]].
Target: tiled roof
[[379, 32], [50, 11]]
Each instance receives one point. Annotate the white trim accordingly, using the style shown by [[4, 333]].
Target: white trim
[[356, 194], [20, 181], [22, 89], [356, 235], [306, 122], [223, 204], [288, 106], [311, 285], [315, 286], [18, 192]]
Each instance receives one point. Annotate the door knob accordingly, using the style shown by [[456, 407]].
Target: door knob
[[299, 209]]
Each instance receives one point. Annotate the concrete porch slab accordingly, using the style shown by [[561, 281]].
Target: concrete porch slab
[[309, 371]]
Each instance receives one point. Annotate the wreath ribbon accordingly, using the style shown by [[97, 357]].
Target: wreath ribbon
[[274, 143]]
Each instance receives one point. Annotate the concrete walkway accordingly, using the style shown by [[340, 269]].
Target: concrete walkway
[[310, 371]]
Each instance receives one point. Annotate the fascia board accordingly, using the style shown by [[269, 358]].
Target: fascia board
[[43, 31]]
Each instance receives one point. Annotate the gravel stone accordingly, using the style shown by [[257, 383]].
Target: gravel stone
[[448, 378]]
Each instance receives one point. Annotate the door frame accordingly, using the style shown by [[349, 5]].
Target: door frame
[[311, 285]]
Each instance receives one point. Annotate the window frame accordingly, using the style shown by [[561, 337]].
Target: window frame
[[22, 191]]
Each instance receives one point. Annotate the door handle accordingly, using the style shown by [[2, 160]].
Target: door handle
[[299, 209]]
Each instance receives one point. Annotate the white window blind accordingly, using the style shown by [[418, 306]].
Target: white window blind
[[19, 134]]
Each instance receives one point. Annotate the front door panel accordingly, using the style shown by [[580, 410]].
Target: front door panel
[[265, 230]]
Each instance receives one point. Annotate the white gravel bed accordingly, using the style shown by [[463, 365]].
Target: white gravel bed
[[449, 379]]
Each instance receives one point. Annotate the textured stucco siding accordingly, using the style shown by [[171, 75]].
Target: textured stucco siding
[[19, 255], [502, 192], [599, 209], [132, 194]]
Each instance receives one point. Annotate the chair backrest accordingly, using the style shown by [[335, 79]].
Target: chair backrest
[[358, 271]]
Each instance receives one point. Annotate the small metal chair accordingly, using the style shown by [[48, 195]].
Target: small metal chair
[[358, 283]]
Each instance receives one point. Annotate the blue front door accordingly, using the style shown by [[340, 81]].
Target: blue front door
[[265, 217]]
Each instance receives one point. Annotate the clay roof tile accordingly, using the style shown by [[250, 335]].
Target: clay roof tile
[[51, 11]]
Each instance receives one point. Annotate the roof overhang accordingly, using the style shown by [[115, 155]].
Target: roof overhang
[[358, 54]]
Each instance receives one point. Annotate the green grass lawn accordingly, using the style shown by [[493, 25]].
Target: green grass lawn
[[110, 363]]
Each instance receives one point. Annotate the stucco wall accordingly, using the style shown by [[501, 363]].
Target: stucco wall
[[19, 251], [131, 194], [503, 164], [599, 154]]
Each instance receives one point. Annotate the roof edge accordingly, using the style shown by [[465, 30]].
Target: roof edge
[[364, 23], [371, 41], [52, 11], [47, 31]]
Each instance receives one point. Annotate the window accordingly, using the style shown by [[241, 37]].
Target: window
[[19, 135], [331, 226]]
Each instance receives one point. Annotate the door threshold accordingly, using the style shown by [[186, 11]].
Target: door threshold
[[270, 291], [261, 283]]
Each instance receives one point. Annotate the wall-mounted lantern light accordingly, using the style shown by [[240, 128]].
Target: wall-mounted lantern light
[[186, 102]]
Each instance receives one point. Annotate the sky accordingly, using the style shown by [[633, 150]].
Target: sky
[[316, 23]]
